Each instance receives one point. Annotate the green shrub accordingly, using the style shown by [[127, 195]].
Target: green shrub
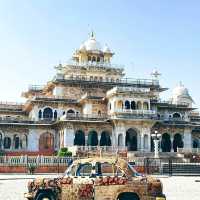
[[63, 152]]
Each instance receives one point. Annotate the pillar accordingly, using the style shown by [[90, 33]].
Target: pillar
[[187, 139], [68, 137]]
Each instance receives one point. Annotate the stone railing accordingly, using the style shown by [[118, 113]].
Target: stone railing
[[188, 150], [134, 114], [88, 117]]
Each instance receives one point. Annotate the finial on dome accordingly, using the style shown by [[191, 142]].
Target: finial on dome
[[92, 35], [155, 73]]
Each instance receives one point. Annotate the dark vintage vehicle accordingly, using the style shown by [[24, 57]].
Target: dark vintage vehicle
[[99, 179]]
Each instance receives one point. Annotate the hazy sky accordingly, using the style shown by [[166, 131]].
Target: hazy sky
[[35, 35]]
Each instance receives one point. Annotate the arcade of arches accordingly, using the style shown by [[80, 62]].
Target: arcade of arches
[[167, 145], [92, 138]]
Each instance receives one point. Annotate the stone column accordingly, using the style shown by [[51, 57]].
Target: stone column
[[187, 138], [142, 142], [68, 137]]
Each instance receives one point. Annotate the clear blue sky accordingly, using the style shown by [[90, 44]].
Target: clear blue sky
[[35, 35]]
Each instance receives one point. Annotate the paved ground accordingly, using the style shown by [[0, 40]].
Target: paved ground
[[175, 188]]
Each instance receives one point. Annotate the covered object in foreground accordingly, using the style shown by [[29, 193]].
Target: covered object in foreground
[[97, 178]]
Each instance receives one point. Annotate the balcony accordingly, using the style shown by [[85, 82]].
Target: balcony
[[54, 98], [84, 117], [119, 89], [102, 65], [35, 88], [133, 114]]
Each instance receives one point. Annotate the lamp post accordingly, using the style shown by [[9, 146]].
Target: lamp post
[[156, 138]]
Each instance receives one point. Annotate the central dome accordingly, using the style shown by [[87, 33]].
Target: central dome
[[91, 44]]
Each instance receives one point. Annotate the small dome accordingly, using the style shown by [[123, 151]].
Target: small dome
[[106, 49], [82, 47], [180, 90]]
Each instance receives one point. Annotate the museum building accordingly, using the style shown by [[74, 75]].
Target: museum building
[[89, 102]]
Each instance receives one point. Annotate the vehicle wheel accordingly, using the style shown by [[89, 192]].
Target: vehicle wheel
[[128, 196], [45, 196]]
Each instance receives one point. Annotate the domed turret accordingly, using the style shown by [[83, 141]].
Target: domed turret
[[91, 44], [180, 95], [106, 49]]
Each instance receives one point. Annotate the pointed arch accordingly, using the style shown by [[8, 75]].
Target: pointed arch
[[46, 141], [48, 113], [92, 138], [133, 105], [79, 138], [177, 142], [131, 139], [105, 139], [139, 105], [145, 106], [7, 142], [127, 105], [166, 143]]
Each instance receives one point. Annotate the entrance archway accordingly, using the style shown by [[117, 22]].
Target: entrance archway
[[178, 142], [166, 143], [105, 139], [131, 139], [46, 141], [79, 138], [92, 138]]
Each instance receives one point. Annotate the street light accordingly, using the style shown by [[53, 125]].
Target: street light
[[156, 137]]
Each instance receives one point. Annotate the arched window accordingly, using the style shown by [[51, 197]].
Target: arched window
[[99, 113], [89, 58], [176, 115], [16, 142], [46, 141], [98, 59], [139, 105], [7, 143], [127, 104], [145, 106], [47, 113], [93, 59], [40, 114], [133, 105], [55, 114], [70, 113], [79, 138], [63, 112]]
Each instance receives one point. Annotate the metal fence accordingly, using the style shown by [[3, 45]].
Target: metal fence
[[167, 166]]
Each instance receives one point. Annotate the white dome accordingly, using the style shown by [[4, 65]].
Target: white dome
[[106, 49], [92, 45], [180, 90], [82, 47]]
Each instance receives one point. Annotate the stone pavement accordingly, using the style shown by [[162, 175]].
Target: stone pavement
[[12, 187]]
